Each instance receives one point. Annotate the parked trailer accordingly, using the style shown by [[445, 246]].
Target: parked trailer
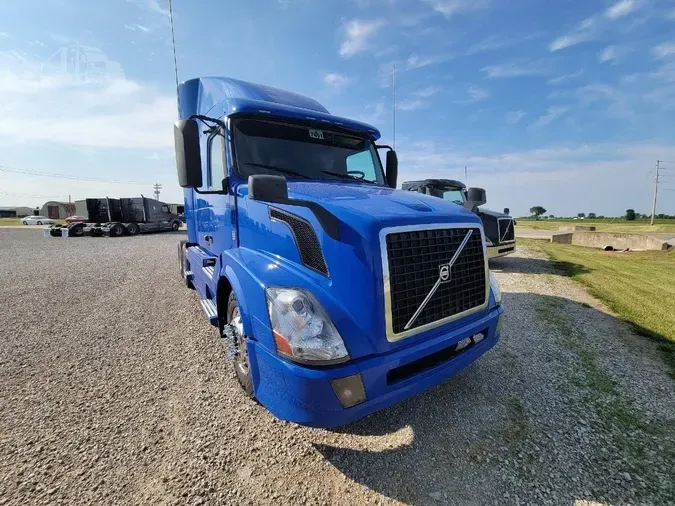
[[336, 294], [125, 216]]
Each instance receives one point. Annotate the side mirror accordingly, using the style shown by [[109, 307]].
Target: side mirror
[[188, 155], [268, 188], [392, 168], [476, 196]]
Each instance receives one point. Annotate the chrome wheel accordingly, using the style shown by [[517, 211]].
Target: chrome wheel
[[241, 361]]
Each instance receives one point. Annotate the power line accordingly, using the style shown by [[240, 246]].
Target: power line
[[6, 168], [33, 196]]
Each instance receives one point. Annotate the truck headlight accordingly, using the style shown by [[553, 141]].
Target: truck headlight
[[496, 291], [302, 329]]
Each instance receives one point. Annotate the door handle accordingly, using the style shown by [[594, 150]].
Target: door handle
[[208, 238]]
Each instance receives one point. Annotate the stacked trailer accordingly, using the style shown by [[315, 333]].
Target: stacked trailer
[[116, 217]]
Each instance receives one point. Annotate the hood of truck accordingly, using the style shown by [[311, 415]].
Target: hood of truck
[[357, 205], [352, 289]]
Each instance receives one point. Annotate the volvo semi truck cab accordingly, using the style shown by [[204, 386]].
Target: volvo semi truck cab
[[336, 294], [500, 234]]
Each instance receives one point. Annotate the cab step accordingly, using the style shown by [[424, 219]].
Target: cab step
[[189, 276], [211, 310]]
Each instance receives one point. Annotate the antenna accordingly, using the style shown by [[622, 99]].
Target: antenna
[[466, 178], [393, 88], [175, 64]]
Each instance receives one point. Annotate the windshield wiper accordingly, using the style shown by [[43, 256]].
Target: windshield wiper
[[348, 176], [288, 172]]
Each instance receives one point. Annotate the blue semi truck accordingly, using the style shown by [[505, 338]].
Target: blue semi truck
[[337, 294]]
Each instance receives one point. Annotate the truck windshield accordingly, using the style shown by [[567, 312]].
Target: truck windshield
[[456, 196], [304, 152]]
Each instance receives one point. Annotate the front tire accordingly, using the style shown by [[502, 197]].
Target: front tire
[[39, 223], [242, 366], [175, 226]]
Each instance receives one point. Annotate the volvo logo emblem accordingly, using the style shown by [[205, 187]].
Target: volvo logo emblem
[[444, 272]]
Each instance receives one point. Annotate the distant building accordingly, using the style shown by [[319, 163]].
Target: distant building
[[16, 212], [57, 210]]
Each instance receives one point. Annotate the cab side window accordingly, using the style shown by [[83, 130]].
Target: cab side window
[[216, 168]]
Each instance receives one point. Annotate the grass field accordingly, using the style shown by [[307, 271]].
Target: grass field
[[9, 222], [638, 286], [606, 225]]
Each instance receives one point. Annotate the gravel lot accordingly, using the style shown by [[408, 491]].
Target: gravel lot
[[115, 390]]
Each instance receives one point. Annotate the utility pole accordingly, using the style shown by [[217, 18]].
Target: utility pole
[[656, 190], [466, 177], [157, 188], [393, 88]]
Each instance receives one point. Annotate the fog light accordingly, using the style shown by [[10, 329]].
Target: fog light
[[463, 344], [500, 319], [349, 390], [477, 338]]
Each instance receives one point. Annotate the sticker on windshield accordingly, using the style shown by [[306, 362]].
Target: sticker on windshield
[[316, 134]]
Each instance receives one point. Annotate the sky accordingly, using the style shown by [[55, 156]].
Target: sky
[[567, 104]]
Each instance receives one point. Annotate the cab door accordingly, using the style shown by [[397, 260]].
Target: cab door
[[214, 229]]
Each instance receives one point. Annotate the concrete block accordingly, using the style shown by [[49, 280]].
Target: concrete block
[[562, 238]]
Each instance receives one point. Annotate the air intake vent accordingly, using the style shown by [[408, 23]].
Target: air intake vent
[[305, 239]]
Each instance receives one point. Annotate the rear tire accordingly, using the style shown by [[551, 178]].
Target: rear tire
[[116, 230], [133, 229], [242, 367], [39, 223]]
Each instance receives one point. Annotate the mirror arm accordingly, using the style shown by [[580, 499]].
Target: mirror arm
[[206, 119]]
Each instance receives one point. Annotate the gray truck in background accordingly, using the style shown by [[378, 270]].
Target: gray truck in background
[[124, 216], [499, 229]]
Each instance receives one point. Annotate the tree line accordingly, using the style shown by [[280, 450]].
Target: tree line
[[538, 211]]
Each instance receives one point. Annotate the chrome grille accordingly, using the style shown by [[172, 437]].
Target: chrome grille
[[506, 230], [413, 258]]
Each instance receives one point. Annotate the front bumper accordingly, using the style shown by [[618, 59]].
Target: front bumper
[[501, 250], [304, 395]]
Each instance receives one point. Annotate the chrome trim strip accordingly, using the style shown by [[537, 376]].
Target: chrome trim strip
[[389, 330], [439, 280]]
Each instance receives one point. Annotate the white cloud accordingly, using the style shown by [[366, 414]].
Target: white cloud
[[99, 110], [412, 104], [534, 177], [488, 44], [621, 8], [477, 94], [152, 6], [584, 31], [513, 117], [449, 8], [357, 35], [552, 113], [137, 27], [335, 80], [514, 69], [607, 54], [415, 61], [566, 77], [4, 35], [426, 92], [664, 50]]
